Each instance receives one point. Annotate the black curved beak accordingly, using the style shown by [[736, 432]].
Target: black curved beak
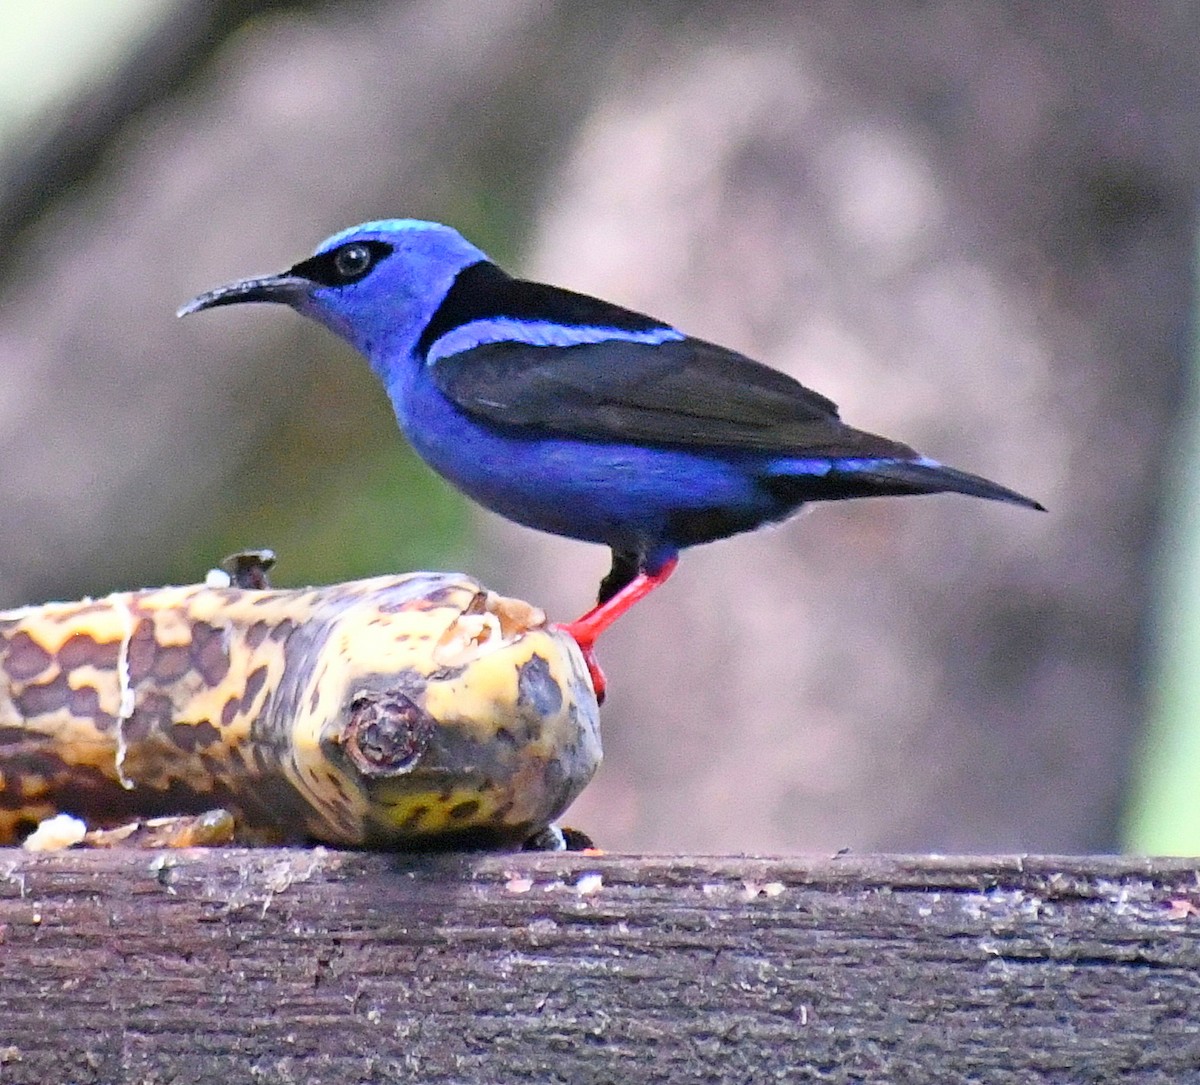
[[285, 289]]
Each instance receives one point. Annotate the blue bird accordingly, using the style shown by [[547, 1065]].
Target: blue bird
[[578, 417]]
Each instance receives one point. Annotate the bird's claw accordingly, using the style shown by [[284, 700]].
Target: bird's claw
[[585, 630], [587, 647]]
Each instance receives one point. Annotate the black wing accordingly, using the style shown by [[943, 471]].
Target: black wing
[[678, 393]]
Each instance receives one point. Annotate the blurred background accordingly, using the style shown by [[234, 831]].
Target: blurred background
[[971, 225]]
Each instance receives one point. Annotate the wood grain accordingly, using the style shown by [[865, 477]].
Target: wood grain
[[320, 966]]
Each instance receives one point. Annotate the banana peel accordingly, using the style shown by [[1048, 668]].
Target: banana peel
[[409, 712]]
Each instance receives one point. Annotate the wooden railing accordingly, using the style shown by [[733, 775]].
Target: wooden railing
[[318, 966]]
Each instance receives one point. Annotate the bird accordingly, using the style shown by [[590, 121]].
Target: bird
[[579, 417]]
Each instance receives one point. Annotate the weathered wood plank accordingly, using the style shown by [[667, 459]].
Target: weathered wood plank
[[318, 966]]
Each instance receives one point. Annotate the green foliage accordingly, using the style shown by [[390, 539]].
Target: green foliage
[[336, 492], [1164, 813]]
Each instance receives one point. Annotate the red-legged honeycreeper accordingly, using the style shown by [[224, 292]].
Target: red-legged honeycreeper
[[581, 418]]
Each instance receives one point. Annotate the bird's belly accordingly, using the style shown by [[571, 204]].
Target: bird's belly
[[628, 497]]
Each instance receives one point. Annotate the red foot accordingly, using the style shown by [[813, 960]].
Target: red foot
[[586, 629]]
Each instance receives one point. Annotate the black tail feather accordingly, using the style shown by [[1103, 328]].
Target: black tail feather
[[850, 478], [929, 477]]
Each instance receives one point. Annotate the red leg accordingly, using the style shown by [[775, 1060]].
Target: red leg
[[586, 629]]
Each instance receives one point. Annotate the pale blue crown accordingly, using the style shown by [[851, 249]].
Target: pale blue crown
[[382, 228]]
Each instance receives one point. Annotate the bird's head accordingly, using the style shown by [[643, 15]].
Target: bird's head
[[376, 285]]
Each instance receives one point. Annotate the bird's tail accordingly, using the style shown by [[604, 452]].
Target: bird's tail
[[925, 476]]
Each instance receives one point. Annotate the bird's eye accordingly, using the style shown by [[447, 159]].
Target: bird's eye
[[352, 261], [344, 265]]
